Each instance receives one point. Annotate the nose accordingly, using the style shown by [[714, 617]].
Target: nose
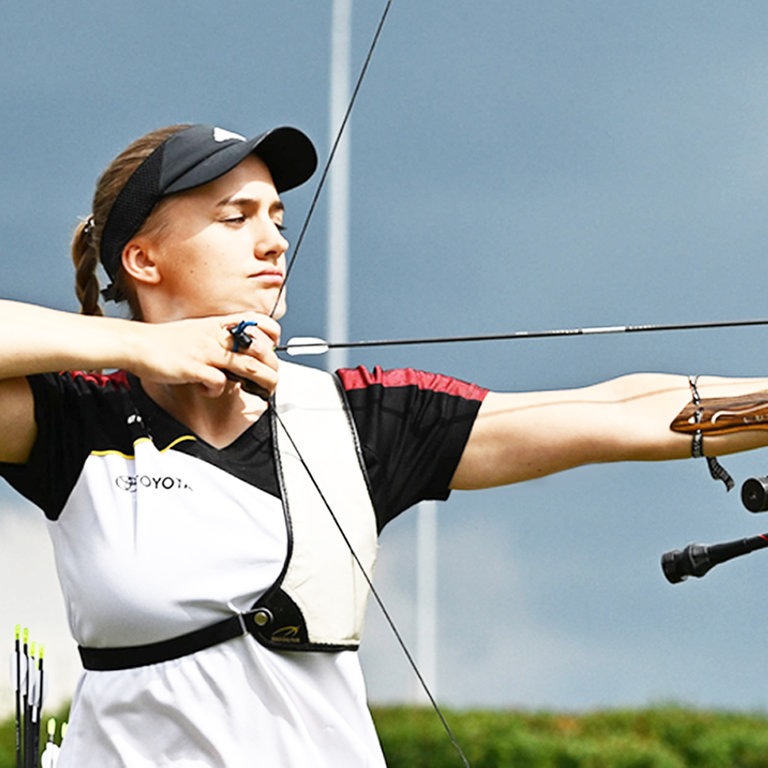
[[270, 243]]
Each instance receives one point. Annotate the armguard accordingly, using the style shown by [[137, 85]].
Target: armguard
[[723, 415]]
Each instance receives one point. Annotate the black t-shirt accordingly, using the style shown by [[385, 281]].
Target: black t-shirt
[[412, 428]]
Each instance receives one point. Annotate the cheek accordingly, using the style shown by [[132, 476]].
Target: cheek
[[194, 257], [187, 276]]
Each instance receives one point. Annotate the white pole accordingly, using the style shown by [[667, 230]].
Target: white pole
[[426, 598], [337, 322], [338, 185]]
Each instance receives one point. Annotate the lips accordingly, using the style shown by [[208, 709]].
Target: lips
[[269, 276]]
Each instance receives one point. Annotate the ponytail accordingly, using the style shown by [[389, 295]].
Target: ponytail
[[86, 261]]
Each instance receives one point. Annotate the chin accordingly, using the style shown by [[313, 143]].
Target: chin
[[262, 304], [280, 310], [269, 307]]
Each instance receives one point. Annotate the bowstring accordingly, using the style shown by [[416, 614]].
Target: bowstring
[[390, 621], [332, 153], [288, 271]]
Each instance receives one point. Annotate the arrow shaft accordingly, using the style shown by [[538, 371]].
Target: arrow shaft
[[555, 333]]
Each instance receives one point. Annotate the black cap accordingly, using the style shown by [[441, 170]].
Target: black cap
[[190, 158]]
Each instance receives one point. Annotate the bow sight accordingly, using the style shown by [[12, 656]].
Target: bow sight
[[698, 559]]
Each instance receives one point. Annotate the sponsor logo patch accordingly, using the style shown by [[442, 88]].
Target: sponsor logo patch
[[132, 483], [222, 134]]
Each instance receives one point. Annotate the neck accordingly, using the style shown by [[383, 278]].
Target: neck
[[217, 420]]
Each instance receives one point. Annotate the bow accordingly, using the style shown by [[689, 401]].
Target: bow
[[698, 559], [459, 310]]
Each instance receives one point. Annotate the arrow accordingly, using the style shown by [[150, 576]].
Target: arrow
[[37, 704], [50, 755], [312, 345], [17, 681]]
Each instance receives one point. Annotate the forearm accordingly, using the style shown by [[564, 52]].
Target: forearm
[[519, 436], [37, 340], [650, 408], [191, 351]]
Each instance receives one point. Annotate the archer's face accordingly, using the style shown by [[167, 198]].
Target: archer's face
[[220, 248]]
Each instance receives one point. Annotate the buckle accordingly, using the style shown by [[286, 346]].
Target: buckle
[[253, 622]]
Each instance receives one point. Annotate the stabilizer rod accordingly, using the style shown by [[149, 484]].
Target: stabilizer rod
[[698, 559]]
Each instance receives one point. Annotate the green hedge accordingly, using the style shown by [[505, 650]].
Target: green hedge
[[660, 737], [664, 737]]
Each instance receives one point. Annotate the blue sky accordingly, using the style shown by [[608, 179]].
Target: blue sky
[[514, 166]]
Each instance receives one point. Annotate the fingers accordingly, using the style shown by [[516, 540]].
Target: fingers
[[241, 339], [201, 351], [252, 359], [250, 386], [253, 323]]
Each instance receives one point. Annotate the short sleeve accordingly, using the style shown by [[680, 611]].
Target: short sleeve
[[74, 413], [412, 427]]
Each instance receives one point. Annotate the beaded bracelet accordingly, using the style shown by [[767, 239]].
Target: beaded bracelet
[[716, 470]]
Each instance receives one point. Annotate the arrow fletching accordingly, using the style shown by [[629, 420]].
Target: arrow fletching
[[50, 755], [306, 345]]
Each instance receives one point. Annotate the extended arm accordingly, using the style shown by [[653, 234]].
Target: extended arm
[[520, 436]]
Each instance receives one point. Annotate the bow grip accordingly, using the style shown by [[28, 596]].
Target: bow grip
[[723, 415]]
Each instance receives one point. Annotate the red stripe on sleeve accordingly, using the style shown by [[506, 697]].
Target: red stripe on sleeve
[[361, 377], [118, 378]]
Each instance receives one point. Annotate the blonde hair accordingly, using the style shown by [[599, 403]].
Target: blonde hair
[[87, 237]]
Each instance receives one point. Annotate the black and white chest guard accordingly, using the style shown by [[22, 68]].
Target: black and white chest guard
[[319, 601]]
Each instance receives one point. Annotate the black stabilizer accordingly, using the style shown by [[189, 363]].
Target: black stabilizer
[[697, 559]]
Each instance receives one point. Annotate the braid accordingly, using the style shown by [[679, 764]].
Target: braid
[[86, 260]]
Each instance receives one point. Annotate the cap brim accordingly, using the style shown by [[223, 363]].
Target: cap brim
[[287, 152]]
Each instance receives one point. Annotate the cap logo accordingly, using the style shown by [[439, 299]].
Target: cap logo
[[221, 134]]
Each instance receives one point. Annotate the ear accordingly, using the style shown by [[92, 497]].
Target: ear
[[139, 263]]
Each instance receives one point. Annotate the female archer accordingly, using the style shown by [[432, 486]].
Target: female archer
[[213, 510]]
